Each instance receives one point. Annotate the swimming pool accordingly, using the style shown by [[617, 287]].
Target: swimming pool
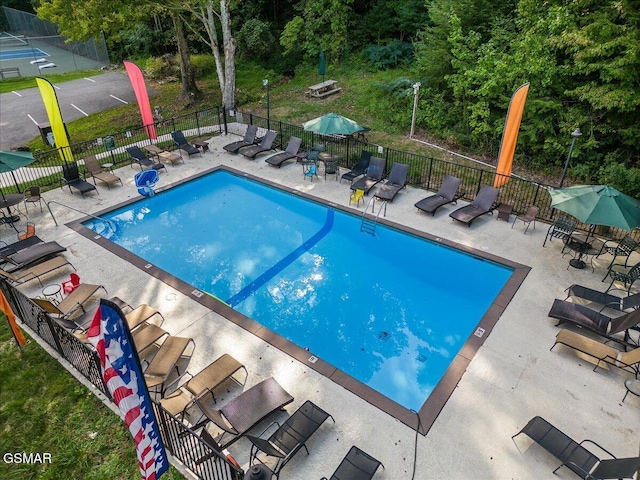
[[392, 311]]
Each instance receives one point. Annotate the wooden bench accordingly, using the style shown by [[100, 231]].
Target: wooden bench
[[328, 87], [9, 71]]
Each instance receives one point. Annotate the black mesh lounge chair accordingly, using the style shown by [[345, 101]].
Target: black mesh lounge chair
[[372, 176], [36, 271], [448, 193], [181, 142], [395, 182], [290, 437], [356, 465], [242, 413], [482, 204], [35, 254], [291, 152], [562, 228], [359, 168], [139, 157], [71, 178], [15, 247], [264, 146], [595, 321], [98, 173], [575, 456], [249, 139], [605, 299]]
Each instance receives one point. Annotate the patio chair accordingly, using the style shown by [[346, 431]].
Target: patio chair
[[372, 176], [75, 301], [31, 255], [448, 193], [249, 139], [98, 173], [181, 142], [206, 381], [356, 197], [29, 231], [575, 456], [597, 322], [165, 362], [242, 413], [32, 195], [293, 147], [138, 156], [562, 228], [356, 465], [600, 354], [359, 168], [71, 178], [623, 248], [290, 437], [36, 271], [70, 285], [528, 217], [605, 299], [620, 273], [309, 171], [482, 204], [264, 146], [331, 167], [395, 182]]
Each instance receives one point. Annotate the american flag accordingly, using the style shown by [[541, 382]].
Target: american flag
[[122, 375]]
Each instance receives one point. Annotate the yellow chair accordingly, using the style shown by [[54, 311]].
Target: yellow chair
[[356, 197]]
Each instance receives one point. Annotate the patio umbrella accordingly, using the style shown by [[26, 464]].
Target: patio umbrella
[[11, 160], [333, 124], [322, 65]]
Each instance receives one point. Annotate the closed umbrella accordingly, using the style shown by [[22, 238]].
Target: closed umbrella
[[322, 65], [333, 124]]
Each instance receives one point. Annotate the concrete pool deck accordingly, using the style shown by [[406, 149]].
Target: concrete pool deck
[[512, 377]]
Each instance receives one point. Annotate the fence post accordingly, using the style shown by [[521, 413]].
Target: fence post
[[224, 119], [430, 172], [198, 123]]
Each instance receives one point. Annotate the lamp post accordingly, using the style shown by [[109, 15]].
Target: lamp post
[[416, 89], [575, 134], [265, 82]]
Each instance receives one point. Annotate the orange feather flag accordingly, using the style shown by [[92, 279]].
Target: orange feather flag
[[6, 309], [510, 135]]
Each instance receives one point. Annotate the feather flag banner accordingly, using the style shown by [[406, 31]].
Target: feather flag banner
[[58, 129], [142, 96], [510, 135]]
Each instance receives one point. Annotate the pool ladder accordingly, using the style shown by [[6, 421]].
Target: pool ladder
[[368, 224]]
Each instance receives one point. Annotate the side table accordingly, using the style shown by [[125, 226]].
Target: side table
[[52, 291], [204, 146], [633, 386], [504, 211]]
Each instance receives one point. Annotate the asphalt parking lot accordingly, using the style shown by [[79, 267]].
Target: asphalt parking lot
[[22, 111]]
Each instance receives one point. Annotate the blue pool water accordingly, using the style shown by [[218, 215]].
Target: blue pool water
[[391, 310]]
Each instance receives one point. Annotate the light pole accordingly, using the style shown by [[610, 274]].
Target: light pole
[[416, 89], [575, 134], [265, 82]]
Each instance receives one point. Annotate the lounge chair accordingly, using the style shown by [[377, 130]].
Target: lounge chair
[[562, 228], [15, 247], [147, 335], [35, 254], [627, 275], [165, 362], [181, 142], [395, 182], [242, 413], [372, 176], [528, 217], [482, 204], [249, 139], [36, 271], [141, 315], [203, 382], [623, 248], [290, 437], [139, 157], [359, 168], [32, 195], [292, 150], [356, 465], [575, 456], [75, 301], [264, 146], [605, 299], [71, 178], [595, 321], [98, 173], [600, 354], [448, 193]]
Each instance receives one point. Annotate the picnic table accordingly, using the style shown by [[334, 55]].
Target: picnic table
[[323, 89]]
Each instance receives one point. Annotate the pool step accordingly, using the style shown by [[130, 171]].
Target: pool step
[[368, 224]]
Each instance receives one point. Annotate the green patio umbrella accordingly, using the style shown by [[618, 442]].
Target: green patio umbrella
[[322, 65], [598, 205], [333, 124], [11, 160]]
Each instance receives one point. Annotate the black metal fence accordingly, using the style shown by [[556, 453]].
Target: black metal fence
[[205, 462]]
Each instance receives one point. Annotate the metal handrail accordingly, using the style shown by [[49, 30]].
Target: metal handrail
[[111, 223]]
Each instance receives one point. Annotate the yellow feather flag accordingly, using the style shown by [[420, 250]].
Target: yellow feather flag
[[510, 135], [52, 107], [6, 309]]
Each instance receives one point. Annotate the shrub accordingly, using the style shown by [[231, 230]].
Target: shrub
[[390, 55], [203, 65], [255, 40]]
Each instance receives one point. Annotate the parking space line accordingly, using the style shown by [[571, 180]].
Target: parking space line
[[90, 80], [84, 113], [119, 99], [13, 91], [31, 118]]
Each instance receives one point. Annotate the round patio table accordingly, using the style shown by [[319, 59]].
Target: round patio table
[[633, 386]]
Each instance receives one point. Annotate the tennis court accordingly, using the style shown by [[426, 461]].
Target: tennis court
[[21, 53]]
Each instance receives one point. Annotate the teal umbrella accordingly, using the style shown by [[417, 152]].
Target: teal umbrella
[[322, 65], [11, 160], [598, 205], [333, 124]]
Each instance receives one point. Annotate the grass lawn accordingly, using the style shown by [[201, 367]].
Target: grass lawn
[[44, 409]]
